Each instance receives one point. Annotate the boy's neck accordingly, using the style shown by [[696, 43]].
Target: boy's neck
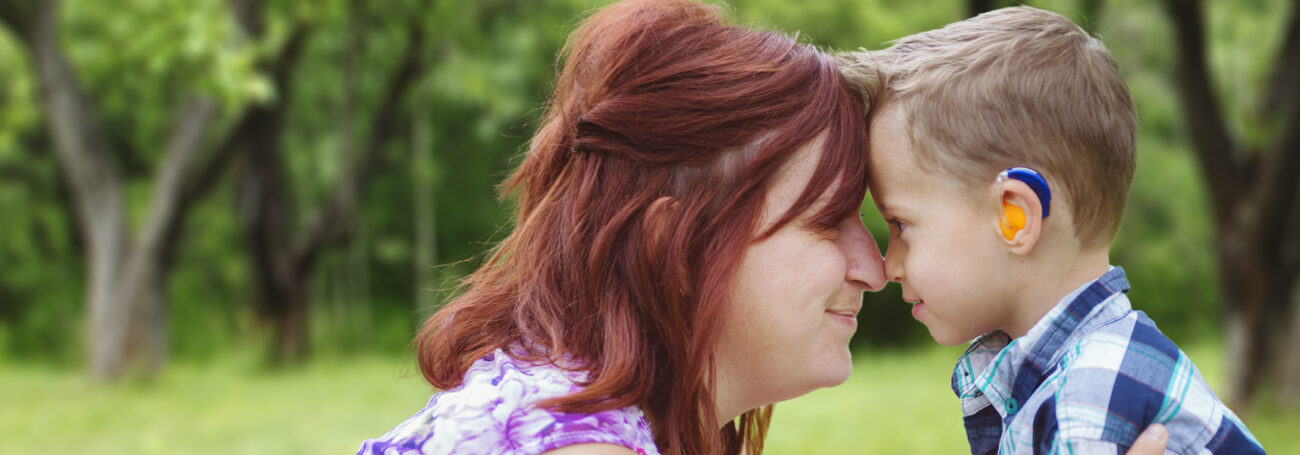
[[1051, 281]]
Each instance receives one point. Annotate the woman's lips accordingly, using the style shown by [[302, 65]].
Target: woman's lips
[[916, 308], [847, 316]]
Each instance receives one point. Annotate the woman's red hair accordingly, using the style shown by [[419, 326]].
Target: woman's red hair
[[656, 100]]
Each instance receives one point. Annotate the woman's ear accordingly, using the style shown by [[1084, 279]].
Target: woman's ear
[[1020, 220]]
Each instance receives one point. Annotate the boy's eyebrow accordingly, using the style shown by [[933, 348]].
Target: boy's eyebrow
[[882, 206]]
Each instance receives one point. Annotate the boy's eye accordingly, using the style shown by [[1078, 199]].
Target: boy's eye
[[899, 225]]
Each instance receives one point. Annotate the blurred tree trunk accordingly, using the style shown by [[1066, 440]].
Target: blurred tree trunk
[[283, 258], [263, 196], [124, 297], [1253, 190], [422, 192], [126, 303]]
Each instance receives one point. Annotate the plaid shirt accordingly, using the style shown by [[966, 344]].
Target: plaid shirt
[[1088, 378]]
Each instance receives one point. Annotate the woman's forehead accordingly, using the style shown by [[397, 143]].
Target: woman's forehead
[[796, 177]]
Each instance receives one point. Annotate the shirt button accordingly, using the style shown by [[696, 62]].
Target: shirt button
[[1012, 406]]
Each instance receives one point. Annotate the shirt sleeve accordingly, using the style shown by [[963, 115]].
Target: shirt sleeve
[[540, 431]]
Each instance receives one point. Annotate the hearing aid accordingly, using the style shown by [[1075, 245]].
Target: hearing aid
[[1013, 219]]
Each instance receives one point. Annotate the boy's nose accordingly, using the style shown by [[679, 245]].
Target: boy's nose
[[894, 263], [865, 264]]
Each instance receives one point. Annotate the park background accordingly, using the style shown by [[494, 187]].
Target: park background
[[222, 220]]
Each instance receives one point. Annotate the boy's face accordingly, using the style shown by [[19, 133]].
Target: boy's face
[[944, 245]]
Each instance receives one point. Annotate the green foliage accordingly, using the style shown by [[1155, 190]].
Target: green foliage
[[40, 302], [1242, 54], [1165, 242], [432, 210], [140, 60], [211, 289]]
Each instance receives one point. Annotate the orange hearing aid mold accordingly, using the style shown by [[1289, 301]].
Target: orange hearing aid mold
[[1013, 220]]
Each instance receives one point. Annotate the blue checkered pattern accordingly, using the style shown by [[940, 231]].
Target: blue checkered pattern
[[1088, 378]]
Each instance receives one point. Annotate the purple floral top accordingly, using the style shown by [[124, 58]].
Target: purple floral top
[[494, 412]]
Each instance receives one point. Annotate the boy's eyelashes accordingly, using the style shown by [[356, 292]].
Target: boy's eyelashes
[[896, 224]]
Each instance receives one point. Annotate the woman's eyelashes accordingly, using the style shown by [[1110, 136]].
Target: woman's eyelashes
[[831, 232], [828, 233]]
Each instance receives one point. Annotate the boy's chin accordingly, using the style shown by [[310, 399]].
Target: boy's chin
[[945, 339]]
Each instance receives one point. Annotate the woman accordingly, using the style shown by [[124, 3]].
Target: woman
[[687, 251], [687, 244]]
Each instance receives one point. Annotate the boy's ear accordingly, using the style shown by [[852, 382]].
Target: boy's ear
[[1020, 220]]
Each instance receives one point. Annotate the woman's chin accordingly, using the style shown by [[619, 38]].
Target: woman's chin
[[836, 375]]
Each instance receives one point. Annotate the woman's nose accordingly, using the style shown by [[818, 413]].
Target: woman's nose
[[865, 264]]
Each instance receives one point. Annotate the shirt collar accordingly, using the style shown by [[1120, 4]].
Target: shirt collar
[[999, 371]]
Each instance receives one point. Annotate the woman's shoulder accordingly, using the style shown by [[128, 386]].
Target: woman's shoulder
[[495, 411]]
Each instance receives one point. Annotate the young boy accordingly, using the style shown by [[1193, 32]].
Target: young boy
[[1002, 148]]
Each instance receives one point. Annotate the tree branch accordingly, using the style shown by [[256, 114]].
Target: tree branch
[[1221, 160], [80, 145], [169, 203], [205, 176], [328, 224]]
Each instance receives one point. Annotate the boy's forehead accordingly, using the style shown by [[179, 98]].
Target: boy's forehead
[[890, 156], [897, 178]]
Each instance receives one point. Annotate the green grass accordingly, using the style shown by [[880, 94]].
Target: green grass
[[229, 408], [896, 402]]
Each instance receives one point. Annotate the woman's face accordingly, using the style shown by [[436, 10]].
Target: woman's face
[[794, 301]]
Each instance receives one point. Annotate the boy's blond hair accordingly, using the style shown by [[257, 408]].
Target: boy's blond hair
[[1013, 87]]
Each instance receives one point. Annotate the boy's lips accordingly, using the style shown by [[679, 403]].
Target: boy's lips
[[916, 306]]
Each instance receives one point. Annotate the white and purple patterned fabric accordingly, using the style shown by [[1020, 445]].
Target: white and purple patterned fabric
[[494, 412]]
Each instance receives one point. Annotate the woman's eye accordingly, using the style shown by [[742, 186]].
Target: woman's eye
[[830, 233]]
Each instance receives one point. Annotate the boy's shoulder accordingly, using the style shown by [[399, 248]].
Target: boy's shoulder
[[1129, 342], [1118, 377]]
